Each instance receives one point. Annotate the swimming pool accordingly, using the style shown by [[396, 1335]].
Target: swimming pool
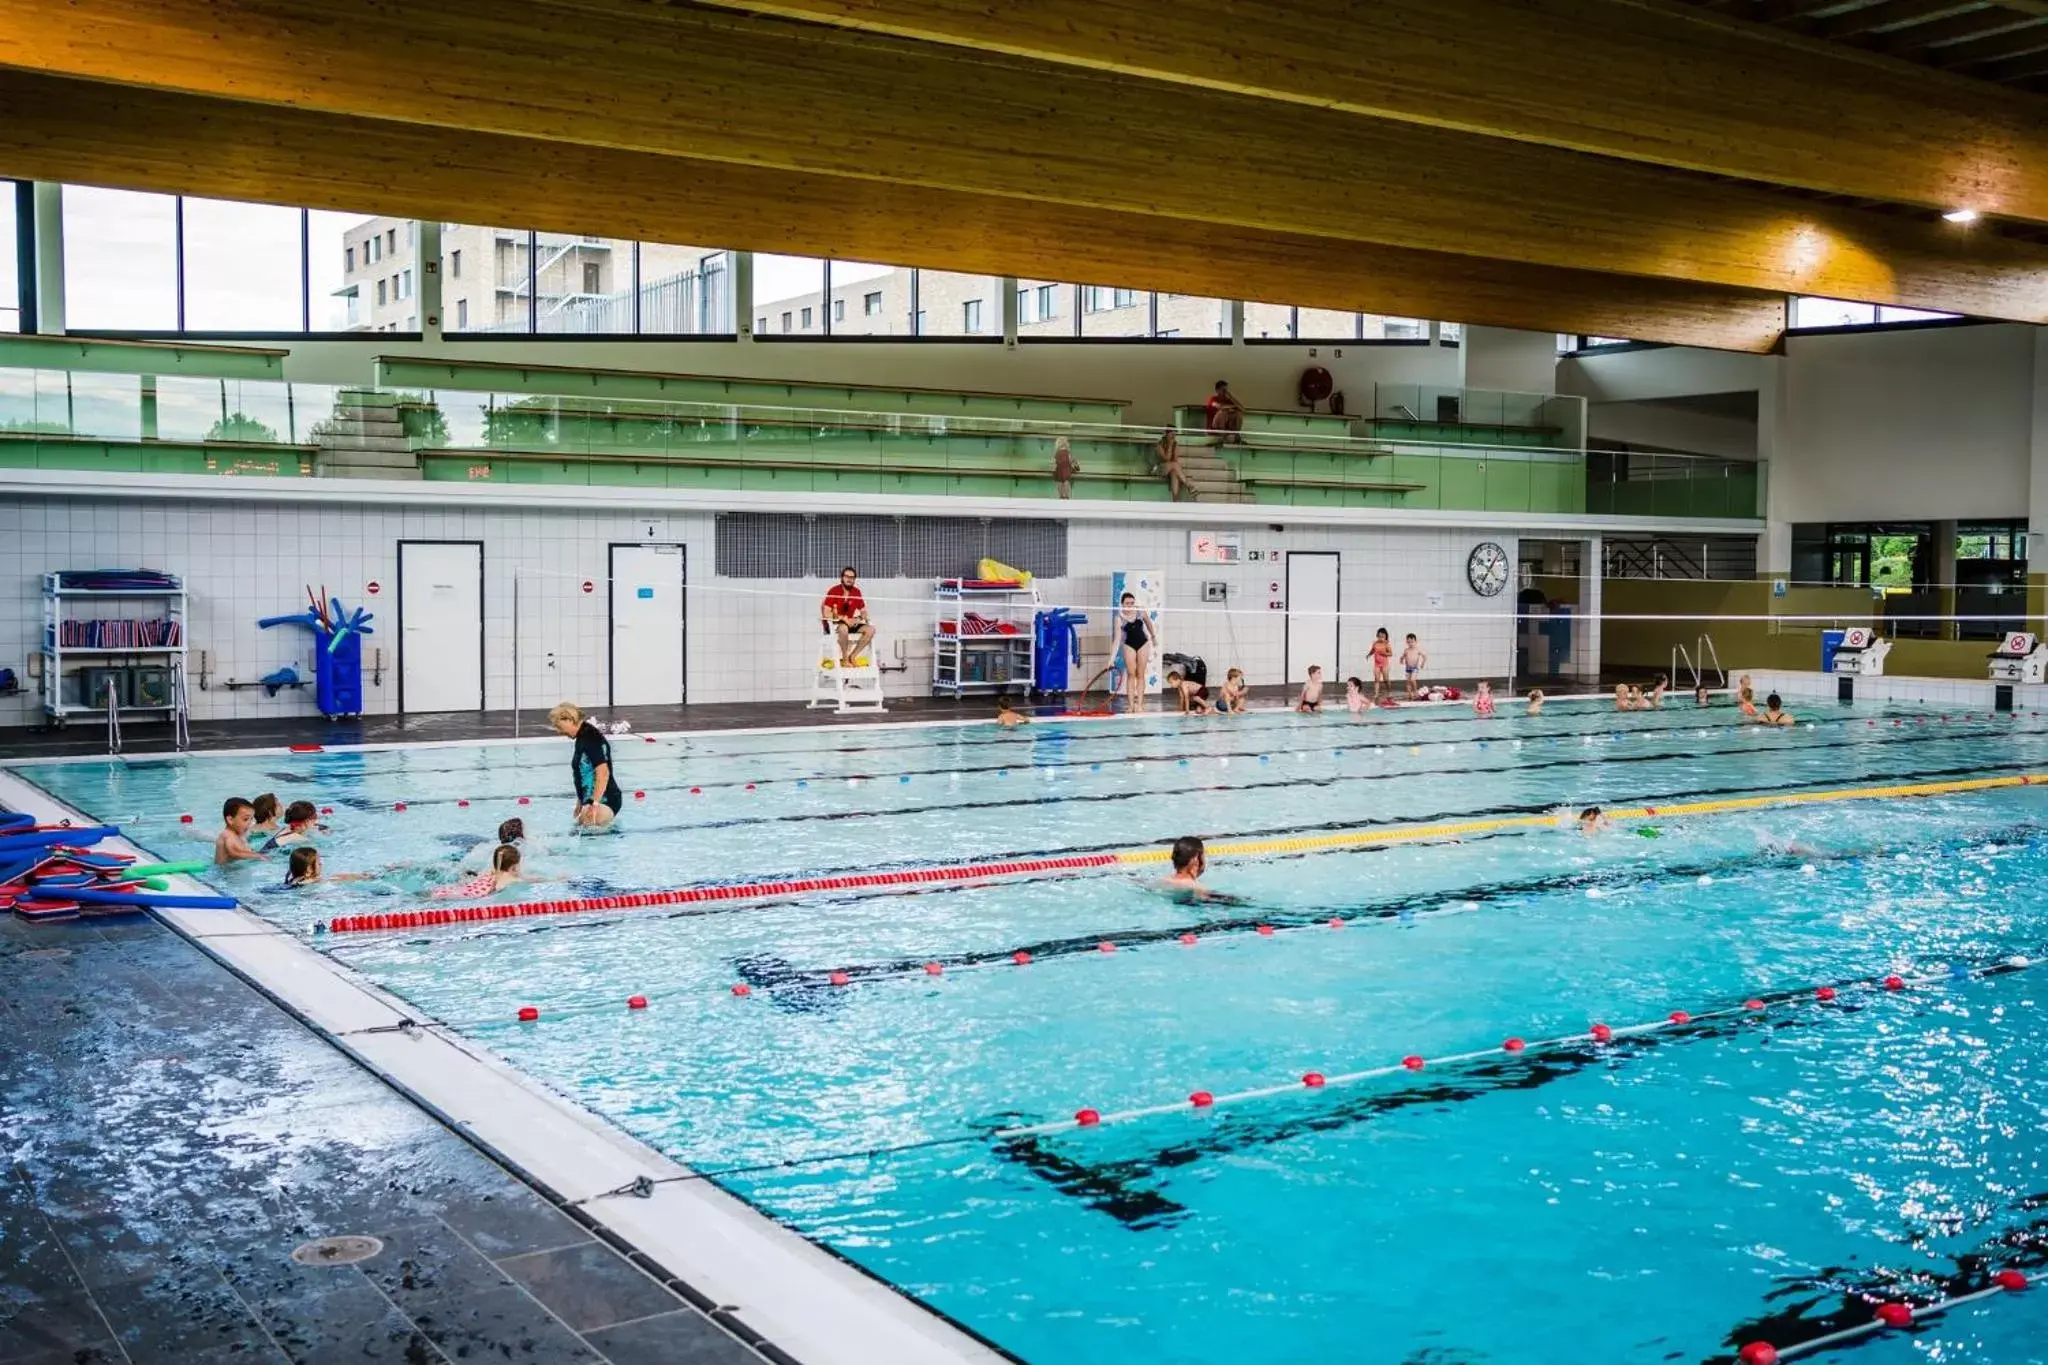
[[1667, 1195]]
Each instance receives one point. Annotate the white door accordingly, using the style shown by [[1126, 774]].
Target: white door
[[1312, 617], [440, 625], [647, 624]]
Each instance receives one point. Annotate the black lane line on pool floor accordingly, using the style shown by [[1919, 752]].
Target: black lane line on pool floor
[[775, 974], [1110, 1187], [805, 990], [1113, 1187], [1855, 1293], [1503, 739]]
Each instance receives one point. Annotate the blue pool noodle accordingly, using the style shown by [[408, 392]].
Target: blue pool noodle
[[147, 900]]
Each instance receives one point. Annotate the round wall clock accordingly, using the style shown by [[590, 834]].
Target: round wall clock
[[1487, 569]]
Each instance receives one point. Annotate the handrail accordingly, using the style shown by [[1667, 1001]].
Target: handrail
[[181, 728], [113, 719], [1708, 651], [1679, 652]]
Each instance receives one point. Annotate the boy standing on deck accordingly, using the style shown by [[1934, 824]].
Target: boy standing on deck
[[1413, 661], [1312, 690], [231, 845]]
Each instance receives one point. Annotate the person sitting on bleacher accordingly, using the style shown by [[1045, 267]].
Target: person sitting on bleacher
[[1225, 413], [845, 613]]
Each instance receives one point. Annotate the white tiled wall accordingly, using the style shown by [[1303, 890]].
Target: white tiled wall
[[748, 640]]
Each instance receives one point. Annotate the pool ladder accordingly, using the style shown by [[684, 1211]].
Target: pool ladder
[[1704, 646]]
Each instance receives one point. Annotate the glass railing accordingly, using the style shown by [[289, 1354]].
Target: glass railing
[[1645, 485], [1438, 404], [472, 435]]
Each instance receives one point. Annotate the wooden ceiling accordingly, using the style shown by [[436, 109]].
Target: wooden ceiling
[[1624, 167]]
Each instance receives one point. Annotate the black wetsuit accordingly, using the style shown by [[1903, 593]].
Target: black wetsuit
[[593, 751]]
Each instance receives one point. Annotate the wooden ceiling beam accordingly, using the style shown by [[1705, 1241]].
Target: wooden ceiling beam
[[2007, 42], [2029, 67], [128, 138], [1650, 80], [1888, 14], [703, 86], [1957, 27]]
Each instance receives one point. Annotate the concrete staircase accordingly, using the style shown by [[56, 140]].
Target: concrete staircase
[[364, 439], [1208, 475]]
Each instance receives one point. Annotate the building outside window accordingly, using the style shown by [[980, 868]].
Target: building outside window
[[785, 322], [970, 315], [380, 294], [462, 315], [455, 265], [871, 304], [807, 319], [839, 310], [349, 259]]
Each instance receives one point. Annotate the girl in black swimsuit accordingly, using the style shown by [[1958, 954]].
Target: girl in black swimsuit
[[1135, 642]]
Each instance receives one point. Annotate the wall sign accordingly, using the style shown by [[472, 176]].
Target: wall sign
[[589, 586], [1215, 547], [373, 587]]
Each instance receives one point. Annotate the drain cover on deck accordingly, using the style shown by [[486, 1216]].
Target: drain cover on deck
[[338, 1251]]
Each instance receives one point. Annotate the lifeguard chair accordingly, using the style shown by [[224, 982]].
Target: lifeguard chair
[[846, 690]]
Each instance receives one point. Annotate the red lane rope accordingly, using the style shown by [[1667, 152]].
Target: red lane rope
[[641, 900]]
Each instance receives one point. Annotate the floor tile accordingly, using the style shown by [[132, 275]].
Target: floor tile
[[685, 1338], [589, 1286]]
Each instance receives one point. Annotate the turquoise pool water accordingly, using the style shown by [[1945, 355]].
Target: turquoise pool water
[[1753, 1174]]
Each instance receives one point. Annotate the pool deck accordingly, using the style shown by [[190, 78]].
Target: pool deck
[[172, 1135]]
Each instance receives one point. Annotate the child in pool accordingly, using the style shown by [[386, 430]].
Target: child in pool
[[1193, 696], [301, 820], [266, 807], [1636, 701], [231, 845], [513, 832], [1007, 714], [304, 869], [1312, 690], [1189, 862], [1536, 701], [504, 871], [1233, 697], [1592, 820], [1382, 655], [1701, 697], [1657, 691], [1748, 700], [1354, 696], [1621, 697], [1482, 704]]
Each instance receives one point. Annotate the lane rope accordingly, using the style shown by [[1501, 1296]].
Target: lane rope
[[973, 873]]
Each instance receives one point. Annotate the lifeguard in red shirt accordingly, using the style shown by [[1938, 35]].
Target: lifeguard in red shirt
[[845, 613]]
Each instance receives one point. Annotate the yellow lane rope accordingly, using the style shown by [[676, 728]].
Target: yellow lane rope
[[1413, 833]]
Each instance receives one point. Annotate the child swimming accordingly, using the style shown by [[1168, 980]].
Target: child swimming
[[266, 807], [503, 872], [1536, 701], [304, 869], [1592, 820], [1354, 696], [1190, 861], [301, 819], [1007, 714]]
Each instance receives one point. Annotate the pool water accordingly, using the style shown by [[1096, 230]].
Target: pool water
[[1668, 1197]]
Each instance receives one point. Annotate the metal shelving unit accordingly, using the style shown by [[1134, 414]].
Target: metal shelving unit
[[168, 603], [964, 663]]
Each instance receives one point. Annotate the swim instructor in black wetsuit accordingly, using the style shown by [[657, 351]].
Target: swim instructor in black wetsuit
[[597, 788]]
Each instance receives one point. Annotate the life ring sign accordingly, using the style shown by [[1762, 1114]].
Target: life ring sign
[[1856, 638]]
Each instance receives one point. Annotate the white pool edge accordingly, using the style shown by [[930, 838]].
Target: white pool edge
[[796, 1295]]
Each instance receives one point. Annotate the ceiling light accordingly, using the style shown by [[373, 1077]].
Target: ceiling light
[[1960, 216]]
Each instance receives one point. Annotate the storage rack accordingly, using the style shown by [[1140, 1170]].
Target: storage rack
[[963, 663], [57, 601]]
